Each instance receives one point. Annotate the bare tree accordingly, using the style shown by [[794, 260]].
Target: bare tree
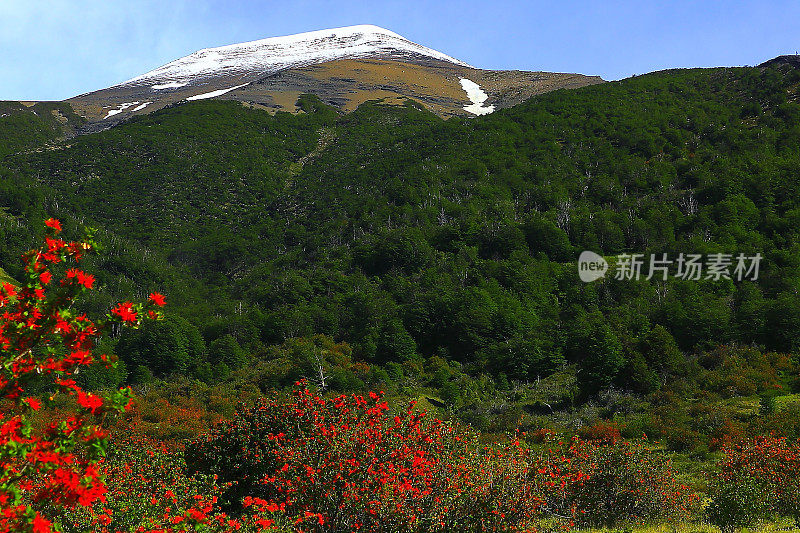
[[321, 377]]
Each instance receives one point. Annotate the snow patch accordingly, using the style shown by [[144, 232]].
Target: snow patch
[[212, 94], [476, 96], [140, 107], [170, 85], [120, 108]]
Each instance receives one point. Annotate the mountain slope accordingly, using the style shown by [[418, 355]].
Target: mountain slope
[[31, 125], [343, 67]]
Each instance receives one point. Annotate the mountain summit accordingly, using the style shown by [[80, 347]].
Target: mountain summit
[[344, 67], [267, 56]]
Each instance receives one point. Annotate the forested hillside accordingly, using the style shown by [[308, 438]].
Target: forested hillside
[[409, 237]]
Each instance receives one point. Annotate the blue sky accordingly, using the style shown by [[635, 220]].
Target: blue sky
[[54, 49]]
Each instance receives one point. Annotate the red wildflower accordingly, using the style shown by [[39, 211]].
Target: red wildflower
[[9, 290], [41, 525], [158, 299], [125, 312], [53, 223], [54, 245], [33, 403], [89, 401], [87, 280]]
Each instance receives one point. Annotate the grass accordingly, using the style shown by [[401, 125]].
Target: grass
[[783, 524], [742, 406], [5, 278], [782, 402]]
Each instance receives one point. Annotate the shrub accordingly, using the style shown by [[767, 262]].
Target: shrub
[[737, 505], [345, 463], [756, 479], [607, 482], [766, 404], [147, 491], [601, 431]]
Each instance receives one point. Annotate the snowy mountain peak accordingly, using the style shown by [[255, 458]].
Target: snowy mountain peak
[[271, 55]]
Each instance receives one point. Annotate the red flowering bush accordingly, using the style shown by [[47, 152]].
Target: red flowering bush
[[45, 341], [347, 464], [602, 431], [756, 479], [148, 490], [604, 482]]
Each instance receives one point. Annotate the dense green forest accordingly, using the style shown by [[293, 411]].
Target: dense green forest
[[447, 246]]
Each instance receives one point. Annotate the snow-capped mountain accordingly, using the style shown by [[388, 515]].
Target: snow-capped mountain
[[267, 56], [344, 67]]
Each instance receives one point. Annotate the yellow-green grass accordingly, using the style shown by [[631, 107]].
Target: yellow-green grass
[[5, 278], [784, 525], [782, 402], [742, 406]]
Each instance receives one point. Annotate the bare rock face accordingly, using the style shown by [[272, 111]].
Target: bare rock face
[[344, 67]]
